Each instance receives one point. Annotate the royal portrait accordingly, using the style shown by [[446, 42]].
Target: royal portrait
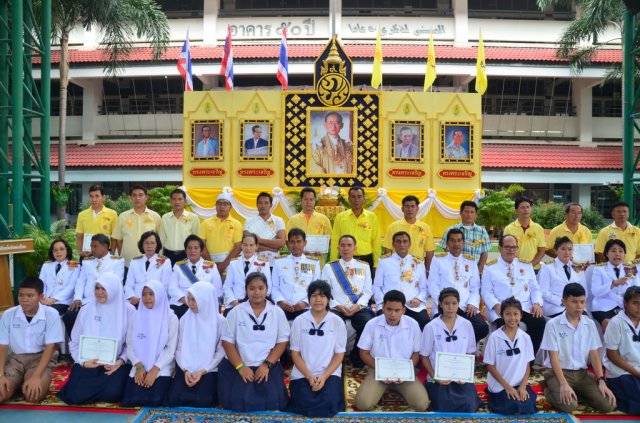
[[456, 142], [255, 140], [331, 148], [206, 140], [406, 141]]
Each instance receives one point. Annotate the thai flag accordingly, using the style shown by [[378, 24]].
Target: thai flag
[[227, 61], [283, 62], [184, 65]]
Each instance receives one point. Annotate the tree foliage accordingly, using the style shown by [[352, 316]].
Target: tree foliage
[[548, 214], [41, 242], [496, 209]]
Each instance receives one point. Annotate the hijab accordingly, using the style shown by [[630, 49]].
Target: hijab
[[150, 330], [108, 320]]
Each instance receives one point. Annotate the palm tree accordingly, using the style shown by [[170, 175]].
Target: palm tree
[[118, 21]]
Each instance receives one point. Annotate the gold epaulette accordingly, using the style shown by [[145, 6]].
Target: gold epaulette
[[441, 254], [490, 262], [387, 255], [181, 262], [524, 261], [362, 261], [636, 261], [549, 261], [209, 262], [260, 259], [282, 256], [469, 257], [417, 260], [313, 257], [135, 258], [88, 258], [116, 257], [48, 261], [601, 264]]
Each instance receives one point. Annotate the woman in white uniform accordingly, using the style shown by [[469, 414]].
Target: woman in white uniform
[[59, 275], [147, 267]]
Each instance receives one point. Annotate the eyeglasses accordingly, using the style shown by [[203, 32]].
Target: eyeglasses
[[451, 336], [511, 351], [259, 326], [317, 331], [510, 247]]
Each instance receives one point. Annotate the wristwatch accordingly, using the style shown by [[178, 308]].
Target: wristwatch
[[268, 364], [601, 378]]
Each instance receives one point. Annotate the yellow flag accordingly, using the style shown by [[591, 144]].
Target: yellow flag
[[430, 75], [376, 76], [481, 72]]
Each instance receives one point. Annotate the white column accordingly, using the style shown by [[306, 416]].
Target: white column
[[335, 17], [91, 101], [461, 23], [583, 102], [581, 194], [209, 21]]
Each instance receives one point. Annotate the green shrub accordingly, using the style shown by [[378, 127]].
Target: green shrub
[[592, 219], [160, 199], [41, 242], [548, 215], [495, 210]]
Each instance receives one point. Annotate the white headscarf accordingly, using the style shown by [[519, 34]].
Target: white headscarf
[[109, 319], [151, 327], [199, 331]]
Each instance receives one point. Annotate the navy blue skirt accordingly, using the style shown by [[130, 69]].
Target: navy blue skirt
[[454, 397], [500, 403], [138, 396], [86, 386], [236, 395], [203, 395], [326, 402], [626, 389]]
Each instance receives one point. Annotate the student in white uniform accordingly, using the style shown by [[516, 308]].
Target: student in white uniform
[[292, 275], [391, 335], [189, 271], [351, 289], [456, 270], [507, 355], [554, 275], [199, 351], [622, 340], [609, 282], [247, 262], [147, 267], [571, 343], [108, 315], [256, 333], [152, 337], [318, 343], [453, 334], [29, 333], [405, 273], [59, 275]]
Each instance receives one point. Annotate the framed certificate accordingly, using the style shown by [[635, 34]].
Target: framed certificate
[[456, 367], [100, 348], [395, 369], [318, 243], [583, 253]]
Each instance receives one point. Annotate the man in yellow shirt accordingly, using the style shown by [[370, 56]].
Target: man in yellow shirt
[[363, 225], [619, 229], [422, 245], [222, 234], [97, 219], [571, 228], [309, 220], [529, 234], [176, 226], [133, 223]]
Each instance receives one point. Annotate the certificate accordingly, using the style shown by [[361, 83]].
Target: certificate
[[395, 369], [456, 367], [583, 253], [318, 243], [97, 347]]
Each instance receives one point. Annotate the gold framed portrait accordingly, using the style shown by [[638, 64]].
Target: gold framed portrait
[[407, 141], [256, 140], [456, 142], [206, 140], [331, 148]]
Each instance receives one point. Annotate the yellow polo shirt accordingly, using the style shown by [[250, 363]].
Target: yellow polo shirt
[[528, 242], [130, 228], [630, 237], [220, 236], [102, 223], [365, 228], [173, 231], [582, 235], [316, 224], [420, 233]]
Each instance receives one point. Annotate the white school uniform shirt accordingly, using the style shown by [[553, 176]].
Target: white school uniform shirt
[[434, 338], [318, 351], [604, 297], [403, 274], [358, 274], [619, 336], [254, 346], [497, 285], [159, 270], [166, 360], [573, 344], [25, 337], [511, 368], [234, 286], [383, 340], [466, 280], [552, 280], [267, 229], [291, 276], [218, 355], [91, 268], [60, 286], [206, 271]]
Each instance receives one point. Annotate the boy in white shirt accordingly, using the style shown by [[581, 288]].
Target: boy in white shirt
[[32, 330]]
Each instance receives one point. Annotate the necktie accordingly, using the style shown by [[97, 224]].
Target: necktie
[[568, 272], [58, 267], [193, 269], [146, 265], [246, 266], [617, 270]]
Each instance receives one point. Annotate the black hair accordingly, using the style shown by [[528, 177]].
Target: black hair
[[308, 189], [573, 289], [265, 194], [521, 200], [561, 241], [501, 240], [400, 233], [135, 187], [250, 235], [66, 245], [468, 203], [394, 296], [353, 238], [144, 237], [335, 114], [101, 239], [96, 187], [193, 237], [619, 204], [567, 207], [510, 302], [296, 232], [250, 277], [409, 198], [631, 292], [32, 282], [447, 292], [612, 242], [356, 188], [254, 128], [323, 287], [178, 191], [454, 231]]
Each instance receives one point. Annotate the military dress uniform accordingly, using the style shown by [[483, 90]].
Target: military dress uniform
[[182, 278], [291, 277], [157, 269], [60, 282]]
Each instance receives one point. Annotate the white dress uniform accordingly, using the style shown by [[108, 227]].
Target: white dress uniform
[[460, 273], [403, 274], [604, 297], [511, 367], [267, 229], [552, 279], [234, 282], [358, 274], [206, 271], [291, 276], [92, 267], [62, 285], [461, 339], [159, 270], [502, 280]]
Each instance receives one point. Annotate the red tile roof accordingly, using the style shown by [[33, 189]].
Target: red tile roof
[[355, 51], [121, 155]]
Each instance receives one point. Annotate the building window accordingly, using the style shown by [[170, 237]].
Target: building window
[[136, 96], [522, 96], [182, 9], [517, 9], [607, 99], [74, 99], [389, 7], [274, 7]]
